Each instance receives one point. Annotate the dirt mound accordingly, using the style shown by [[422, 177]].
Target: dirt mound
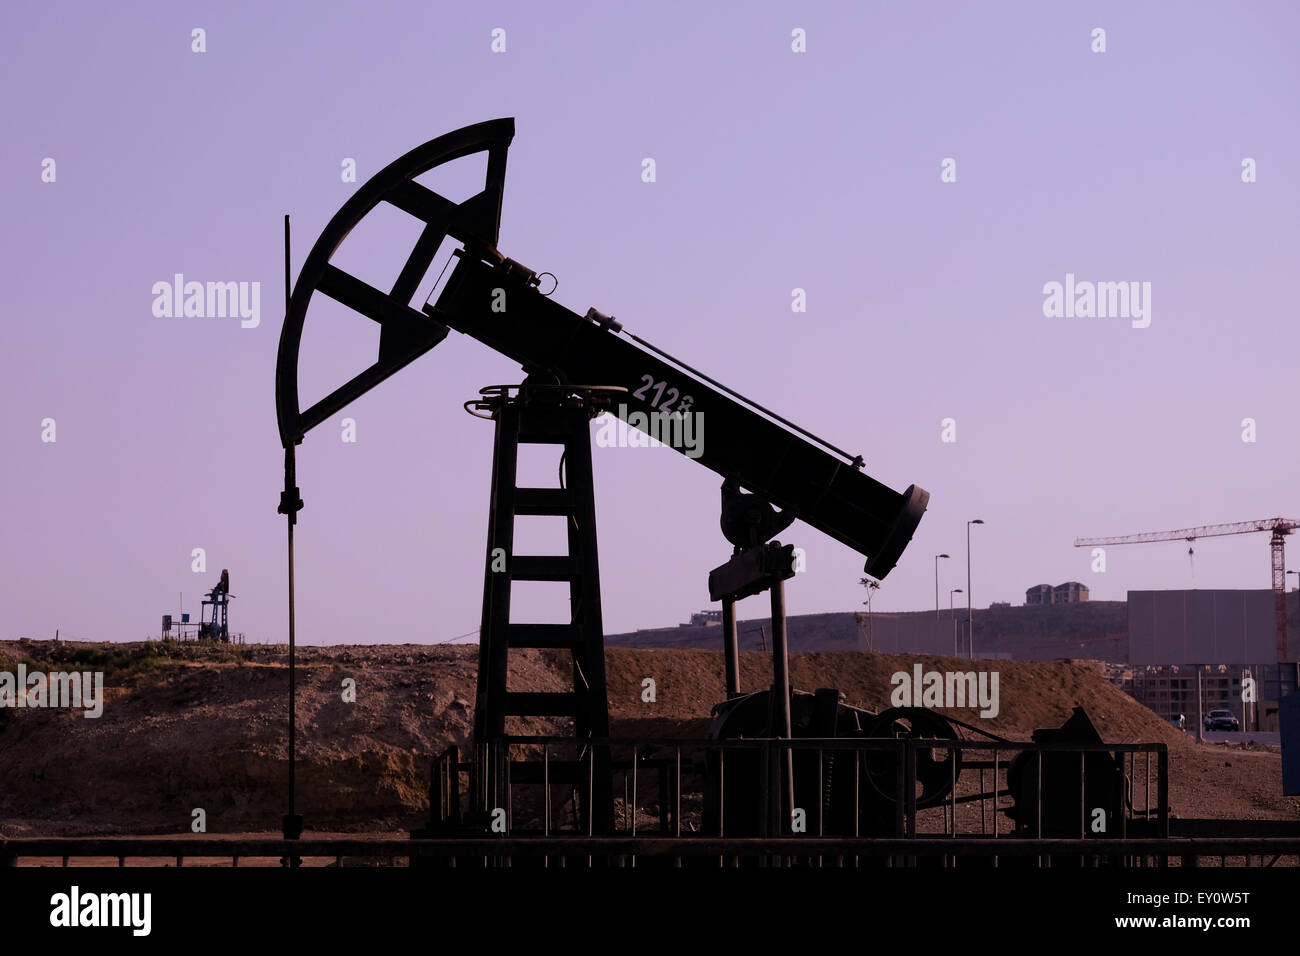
[[1031, 695], [185, 727]]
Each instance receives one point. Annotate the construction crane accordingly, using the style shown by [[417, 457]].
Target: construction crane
[[1279, 527]]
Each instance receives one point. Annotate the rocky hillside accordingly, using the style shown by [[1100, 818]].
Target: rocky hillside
[[1096, 630]]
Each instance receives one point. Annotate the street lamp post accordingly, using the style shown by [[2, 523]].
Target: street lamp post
[[871, 586], [953, 615], [970, 613], [936, 584]]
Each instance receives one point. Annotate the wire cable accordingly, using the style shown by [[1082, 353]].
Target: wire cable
[[448, 640]]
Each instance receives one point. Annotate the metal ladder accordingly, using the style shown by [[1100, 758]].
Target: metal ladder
[[544, 415]]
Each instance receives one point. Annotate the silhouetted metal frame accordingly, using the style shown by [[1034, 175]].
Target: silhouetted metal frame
[[782, 467], [789, 471], [406, 333]]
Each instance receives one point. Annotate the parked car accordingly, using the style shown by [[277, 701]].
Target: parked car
[[1221, 720]]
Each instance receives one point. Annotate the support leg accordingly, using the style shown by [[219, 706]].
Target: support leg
[[781, 695], [731, 647]]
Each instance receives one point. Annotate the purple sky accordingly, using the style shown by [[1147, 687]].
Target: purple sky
[[775, 170]]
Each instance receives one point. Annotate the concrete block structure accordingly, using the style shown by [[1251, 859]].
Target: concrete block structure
[[1071, 592]]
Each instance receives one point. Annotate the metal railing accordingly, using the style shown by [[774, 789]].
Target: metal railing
[[804, 802], [847, 789]]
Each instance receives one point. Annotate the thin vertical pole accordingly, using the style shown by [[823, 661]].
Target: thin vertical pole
[[293, 723], [290, 505], [781, 693], [677, 800], [970, 613], [731, 647], [291, 465], [1200, 700], [997, 800]]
